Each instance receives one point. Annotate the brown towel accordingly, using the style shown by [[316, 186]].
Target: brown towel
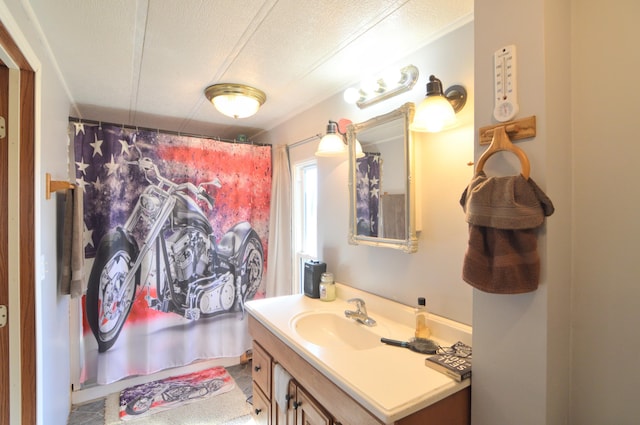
[[510, 202], [502, 261], [504, 214], [72, 280]]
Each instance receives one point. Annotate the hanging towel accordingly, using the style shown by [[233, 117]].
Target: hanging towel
[[72, 280], [511, 202], [504, 214], [502, 261], [281, 386]]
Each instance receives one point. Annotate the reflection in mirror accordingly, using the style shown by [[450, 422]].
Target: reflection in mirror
[[381, 182]]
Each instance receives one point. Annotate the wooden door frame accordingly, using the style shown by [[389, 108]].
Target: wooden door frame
[[27, 228], [4, 244]]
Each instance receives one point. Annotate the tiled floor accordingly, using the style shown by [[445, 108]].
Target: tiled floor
[[92, 413]]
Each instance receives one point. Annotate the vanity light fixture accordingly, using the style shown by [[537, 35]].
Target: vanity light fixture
[[372, 91], [235, 100], [333, 143], [438, 110]]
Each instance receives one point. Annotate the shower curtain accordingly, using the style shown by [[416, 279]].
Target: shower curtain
[[182, 209], [368, 193]]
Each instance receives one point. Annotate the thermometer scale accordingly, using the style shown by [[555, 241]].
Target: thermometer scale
[[506, 100]]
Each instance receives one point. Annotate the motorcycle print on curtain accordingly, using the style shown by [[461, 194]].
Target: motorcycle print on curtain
[[176, 233]]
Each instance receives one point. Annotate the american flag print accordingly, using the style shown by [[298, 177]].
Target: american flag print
[[368, 194], [111, 186]]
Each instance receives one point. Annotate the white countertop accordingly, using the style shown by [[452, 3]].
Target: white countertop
[[391, 382]]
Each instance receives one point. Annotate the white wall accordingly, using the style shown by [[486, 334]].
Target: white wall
[[510, 331], [606, 212], [435, 270], [52, 310], [566, 353], [52, 320]]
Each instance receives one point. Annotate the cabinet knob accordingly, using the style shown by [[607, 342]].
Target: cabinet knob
[[297, 404], [257, 368], [258, 411]]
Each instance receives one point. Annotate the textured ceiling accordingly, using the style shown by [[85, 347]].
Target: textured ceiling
[[146, 63]]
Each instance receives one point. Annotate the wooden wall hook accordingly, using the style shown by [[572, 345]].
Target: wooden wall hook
[[56, 185]]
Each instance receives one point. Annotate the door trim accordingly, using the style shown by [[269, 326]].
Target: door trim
[[5, 401], [27, 226]]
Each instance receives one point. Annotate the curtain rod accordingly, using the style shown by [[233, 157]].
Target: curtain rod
[[304, 141], [175, 133]]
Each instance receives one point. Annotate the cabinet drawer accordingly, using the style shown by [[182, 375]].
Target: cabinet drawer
[[261, 371], [261, 407]]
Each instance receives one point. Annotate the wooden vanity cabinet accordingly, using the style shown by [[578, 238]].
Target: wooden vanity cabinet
[[283, 416], [307, 411], [301, 409], [261, 407], [261, 376], [321, 402]]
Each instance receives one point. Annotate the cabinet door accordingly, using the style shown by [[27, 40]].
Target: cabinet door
[[308, 412], [284, 415], [261, 407], [261, 372]]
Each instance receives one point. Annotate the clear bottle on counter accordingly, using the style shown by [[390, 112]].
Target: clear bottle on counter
[[327, 287], [422, 330]]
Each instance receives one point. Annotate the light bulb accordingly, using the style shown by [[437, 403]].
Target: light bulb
[[370, 85], [351, 95], [392, 77]]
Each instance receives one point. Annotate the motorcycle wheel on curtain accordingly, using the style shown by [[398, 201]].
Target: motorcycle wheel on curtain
[[108, 303], [250, 264]]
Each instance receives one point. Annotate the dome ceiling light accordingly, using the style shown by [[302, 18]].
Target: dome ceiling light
[[235, 100]]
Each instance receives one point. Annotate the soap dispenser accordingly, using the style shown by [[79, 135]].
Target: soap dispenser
[[422, 330]]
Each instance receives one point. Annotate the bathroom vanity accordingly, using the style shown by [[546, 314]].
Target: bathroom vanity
[[341, 372]]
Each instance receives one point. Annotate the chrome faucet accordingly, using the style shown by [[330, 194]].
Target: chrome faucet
[[360, 315]]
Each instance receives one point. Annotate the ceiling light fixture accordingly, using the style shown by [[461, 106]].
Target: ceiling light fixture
[[372, 91], [235, 100], [333, 143], [438, 110]]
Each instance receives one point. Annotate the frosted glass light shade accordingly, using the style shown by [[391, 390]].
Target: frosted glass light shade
[[235, 100], [331, 145], [434, 114], [236, 106]]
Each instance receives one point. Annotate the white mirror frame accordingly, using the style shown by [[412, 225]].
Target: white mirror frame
[[410, 243]]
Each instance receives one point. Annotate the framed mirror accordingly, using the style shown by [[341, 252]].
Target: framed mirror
[[381, 181]]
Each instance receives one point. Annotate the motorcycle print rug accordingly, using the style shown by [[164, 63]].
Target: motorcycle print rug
[[161, 395]]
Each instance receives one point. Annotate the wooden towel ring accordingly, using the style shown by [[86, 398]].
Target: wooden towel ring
[[501, 142]]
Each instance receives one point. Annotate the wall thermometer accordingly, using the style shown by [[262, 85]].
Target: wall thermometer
[[506, 99]]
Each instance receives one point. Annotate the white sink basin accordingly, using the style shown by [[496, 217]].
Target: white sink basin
[[331, 330]]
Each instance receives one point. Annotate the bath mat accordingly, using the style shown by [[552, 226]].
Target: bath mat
[[226, 409], [175, 394]]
